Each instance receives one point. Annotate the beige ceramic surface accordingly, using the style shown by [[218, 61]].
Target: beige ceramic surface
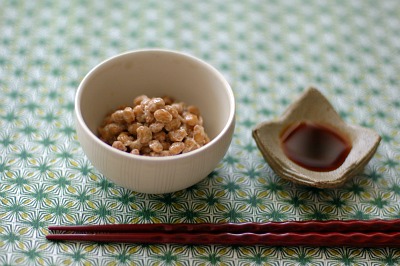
[[314, 107], [119, 80]]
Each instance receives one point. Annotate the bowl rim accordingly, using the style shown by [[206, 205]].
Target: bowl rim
[[79, 118]]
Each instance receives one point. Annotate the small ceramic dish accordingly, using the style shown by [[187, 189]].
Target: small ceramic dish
[[155, 73], [313, 107]]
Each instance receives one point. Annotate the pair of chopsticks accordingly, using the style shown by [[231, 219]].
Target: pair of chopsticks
[[355, 233]]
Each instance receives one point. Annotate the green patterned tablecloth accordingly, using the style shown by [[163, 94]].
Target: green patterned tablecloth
[[269, 51]]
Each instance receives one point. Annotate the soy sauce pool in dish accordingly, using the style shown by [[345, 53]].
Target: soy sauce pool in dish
[[314, 146]]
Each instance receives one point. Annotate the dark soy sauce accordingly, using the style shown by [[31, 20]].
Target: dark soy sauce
[[314, 146]]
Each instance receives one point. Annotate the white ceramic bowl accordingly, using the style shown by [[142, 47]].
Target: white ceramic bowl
[[118, 80]]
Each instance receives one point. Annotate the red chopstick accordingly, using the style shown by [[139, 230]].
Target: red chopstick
[[257, 228], [268, 239], [371, 233]]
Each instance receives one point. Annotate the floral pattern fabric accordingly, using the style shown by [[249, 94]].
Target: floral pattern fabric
[[269, 51]]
